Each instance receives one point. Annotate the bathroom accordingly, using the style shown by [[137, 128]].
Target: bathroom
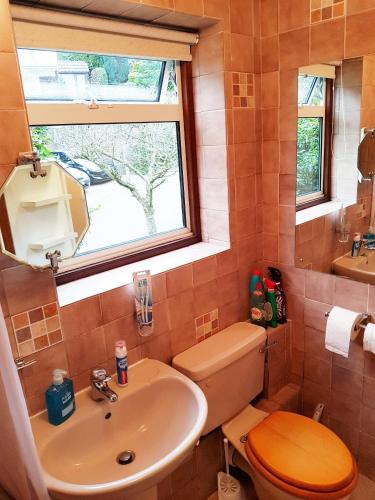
[[231, 201]]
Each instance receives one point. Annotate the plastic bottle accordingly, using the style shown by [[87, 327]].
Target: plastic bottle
[[275, 275], [257, 304], [255, 278], [121, 363], [271, 298], [356, 246], [59, 398]]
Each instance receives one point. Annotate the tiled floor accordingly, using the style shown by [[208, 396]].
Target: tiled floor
[[364, 491]]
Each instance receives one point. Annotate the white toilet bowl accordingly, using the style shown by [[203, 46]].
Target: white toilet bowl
[[238, 427], [229, 368]]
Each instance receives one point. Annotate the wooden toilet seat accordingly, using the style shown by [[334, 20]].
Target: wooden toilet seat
[[301, 457]]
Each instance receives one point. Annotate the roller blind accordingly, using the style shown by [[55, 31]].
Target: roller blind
[[322, 70], [48, 29]]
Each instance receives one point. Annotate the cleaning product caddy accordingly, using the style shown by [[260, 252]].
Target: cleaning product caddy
[[60, 398], [121, 363]]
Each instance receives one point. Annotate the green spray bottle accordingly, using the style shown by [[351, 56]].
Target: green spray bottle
[[257, 303], [271, 298]]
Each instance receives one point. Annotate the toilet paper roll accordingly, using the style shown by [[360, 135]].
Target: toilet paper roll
[[342, 326], [369, 338]]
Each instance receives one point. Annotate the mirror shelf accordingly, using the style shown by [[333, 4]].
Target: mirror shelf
[[43, 202], [42, 214]]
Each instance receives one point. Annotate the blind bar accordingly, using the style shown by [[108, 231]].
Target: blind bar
[[88, 22]]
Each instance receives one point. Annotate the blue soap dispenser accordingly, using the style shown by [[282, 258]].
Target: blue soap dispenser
[[60, 398]]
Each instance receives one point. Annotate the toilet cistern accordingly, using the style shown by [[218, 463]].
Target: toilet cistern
[[100, 389]]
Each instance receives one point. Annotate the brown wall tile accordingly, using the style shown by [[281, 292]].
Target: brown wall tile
[[269, 17], [327, 41], [26, 288], [356, 44], [80, 317], [293, 14], [117, 303], [294, 48]]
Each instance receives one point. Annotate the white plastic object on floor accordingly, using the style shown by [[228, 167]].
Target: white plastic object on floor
[[227, 486], [318, 412]]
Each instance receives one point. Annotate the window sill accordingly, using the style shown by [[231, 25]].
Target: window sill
[[120, 276], [312, 213]]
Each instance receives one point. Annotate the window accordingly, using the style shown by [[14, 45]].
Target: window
[[117, 123], [314, 139]]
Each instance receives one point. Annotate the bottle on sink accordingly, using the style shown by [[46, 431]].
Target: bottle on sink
[[356, 245], [121, 363], [59, 398]]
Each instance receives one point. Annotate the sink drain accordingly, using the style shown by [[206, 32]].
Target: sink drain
[[125, 457]]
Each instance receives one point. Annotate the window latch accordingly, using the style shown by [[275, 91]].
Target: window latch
[[33, 158], [54, 259], [93, 104]]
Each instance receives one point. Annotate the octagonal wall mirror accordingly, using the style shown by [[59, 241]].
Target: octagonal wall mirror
[[42, 215]]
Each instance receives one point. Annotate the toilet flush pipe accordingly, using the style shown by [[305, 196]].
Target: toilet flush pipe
[[231, 451]]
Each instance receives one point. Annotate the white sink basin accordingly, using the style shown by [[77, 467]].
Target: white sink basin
[[159, 416]]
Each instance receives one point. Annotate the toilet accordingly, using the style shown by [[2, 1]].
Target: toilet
[[287, 455]]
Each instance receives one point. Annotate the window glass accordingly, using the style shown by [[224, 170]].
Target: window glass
[[310, 90], [49, 75], [309, 156], [132, 176]]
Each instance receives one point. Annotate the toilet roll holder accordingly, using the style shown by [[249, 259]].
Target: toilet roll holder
[[363, 321]]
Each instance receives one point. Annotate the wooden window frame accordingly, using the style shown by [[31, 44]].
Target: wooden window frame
[[327, 149], [193, 197]]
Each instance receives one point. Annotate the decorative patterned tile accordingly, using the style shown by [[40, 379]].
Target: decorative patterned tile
[[26, 348], [41, 342], [323, 10], [20, 320], [207, 325], [36, 315], [50, 310], [55, 337], [243, 90], [37, 329], [53, 323], [23, 334]]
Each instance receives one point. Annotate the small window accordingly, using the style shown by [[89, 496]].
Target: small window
[[69, 76], [309, 157], [117, 125], [314, 139]]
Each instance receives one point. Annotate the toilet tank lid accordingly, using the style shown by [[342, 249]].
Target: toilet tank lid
[[219, 351]]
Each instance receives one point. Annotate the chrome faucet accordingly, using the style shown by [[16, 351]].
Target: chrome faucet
[[99, 386]]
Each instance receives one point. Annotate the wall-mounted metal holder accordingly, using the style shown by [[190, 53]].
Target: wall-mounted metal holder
[[21, 363], [54, 259], [364, 319], [33, 158], [267, 346]]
